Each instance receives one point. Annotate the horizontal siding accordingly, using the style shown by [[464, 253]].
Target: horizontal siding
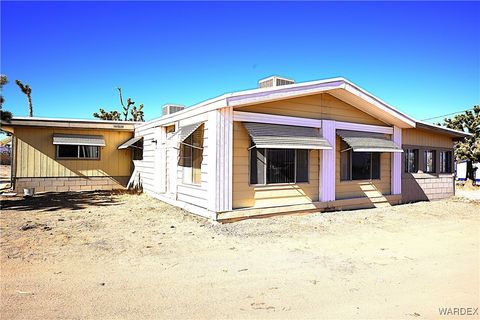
[[245, 195], [196, 195], [357, 189], [36, 158], [146, 167], [319, 106]]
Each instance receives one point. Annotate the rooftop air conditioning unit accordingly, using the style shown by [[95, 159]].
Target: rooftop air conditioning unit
[[274, 81], [171, 108]]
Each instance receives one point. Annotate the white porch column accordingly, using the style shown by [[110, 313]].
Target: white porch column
[[327, 163], [161, 160], [220, 162], [396, 167]]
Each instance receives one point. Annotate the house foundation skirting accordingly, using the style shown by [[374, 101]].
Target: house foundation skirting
[[59, 184], [424, 187]]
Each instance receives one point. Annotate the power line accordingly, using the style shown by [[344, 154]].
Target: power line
[[446, 115]]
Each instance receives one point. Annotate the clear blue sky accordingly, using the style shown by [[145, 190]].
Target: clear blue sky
[[423, 58]]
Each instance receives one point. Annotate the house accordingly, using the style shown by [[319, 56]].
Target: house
[[69, 154], [289, 147], [284, 147]]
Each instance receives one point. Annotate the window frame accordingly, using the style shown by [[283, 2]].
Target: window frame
[[137, 150], [434, 160], [191, 146], [449, 155], [350, 164], [58, 157], [266, 168], [416, 161]]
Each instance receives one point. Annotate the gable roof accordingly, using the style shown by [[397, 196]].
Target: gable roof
[[341, 88]]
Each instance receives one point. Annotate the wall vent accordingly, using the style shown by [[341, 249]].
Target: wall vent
[[274, 81], [171, 108]]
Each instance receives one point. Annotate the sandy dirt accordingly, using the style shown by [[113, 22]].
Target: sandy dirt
[[5, 171], [118, 256]]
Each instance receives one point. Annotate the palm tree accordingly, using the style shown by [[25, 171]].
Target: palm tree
[[28, 92]]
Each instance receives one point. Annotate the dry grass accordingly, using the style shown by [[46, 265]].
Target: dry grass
[[99, 255]]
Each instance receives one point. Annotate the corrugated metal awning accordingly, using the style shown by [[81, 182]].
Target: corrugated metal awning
[[368, 142], [185, 131], [80, 140], [276, 136], [130, 142]]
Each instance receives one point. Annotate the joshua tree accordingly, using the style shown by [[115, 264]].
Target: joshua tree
[[28, 92], [125, 107], [3, 81], [468, 148], [107, 115], [4, 115], [137, 114]]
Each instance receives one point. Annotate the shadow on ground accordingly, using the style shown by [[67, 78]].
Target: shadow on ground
[[52, 201]]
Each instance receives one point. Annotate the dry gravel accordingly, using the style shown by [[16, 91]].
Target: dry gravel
[[98, 255]]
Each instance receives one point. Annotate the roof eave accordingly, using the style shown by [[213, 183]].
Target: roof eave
[[69, 123], [447, 131]]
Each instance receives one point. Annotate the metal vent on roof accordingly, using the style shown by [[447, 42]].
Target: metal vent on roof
[[171, 108], [274, 81]]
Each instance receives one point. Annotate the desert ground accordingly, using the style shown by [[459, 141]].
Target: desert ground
[[4, 177], [100, 255]]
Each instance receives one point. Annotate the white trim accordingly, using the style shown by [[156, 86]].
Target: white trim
[[67, 120], [341, 125], [293, 146], [396, 163], [440, 128], [327, 164], [377, 150], [212, 186], [249, 99], [278, 93], [377, 102], [275, 119]]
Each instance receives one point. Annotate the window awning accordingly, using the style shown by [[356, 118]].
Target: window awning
[[130, 142], [368, 142], [185, 131], [79, 140], [276, 136]]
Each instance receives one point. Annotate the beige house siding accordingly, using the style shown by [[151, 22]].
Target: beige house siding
[[426, 186], [420, 137], [319, 106], [245, 195], [363, 188], [36, 155]]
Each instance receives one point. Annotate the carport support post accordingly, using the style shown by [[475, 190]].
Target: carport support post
[[396, 167], [327, 163]]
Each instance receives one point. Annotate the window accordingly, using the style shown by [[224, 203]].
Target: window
[[78, 152], [445, 161], [137, 150], [170, 129], [191, 153], [411, 160], [358, 165], [270, 166], [429, 165]]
